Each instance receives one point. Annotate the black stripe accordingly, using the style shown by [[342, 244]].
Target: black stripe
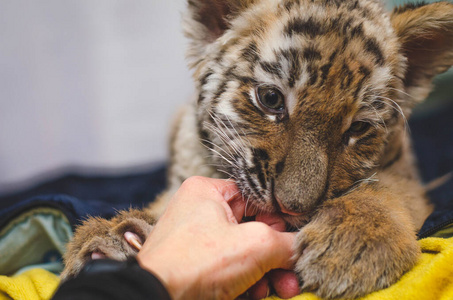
[[365, 71], [347, 76], [292, 57], [312, 73], [203, 134], [204, 78], [365, 141], [309, 27], [324, 72], [378, 104], [252, 185], [365, 152], [260, 154], [258, 169], [345, 25], [336, 193], [292, 77], [250, 53], [311, 53], [353, 6], [289, 4], [271, 68], [200, 98], [244, 80], [223, 85], [220, 90], [262, 180], [279, 167], [357, 31], [372, 47], [326, 68]]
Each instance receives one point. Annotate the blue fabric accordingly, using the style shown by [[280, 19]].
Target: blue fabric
[[432, 135], [79, 196]]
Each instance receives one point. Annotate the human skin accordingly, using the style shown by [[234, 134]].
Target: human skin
[[199, 250]]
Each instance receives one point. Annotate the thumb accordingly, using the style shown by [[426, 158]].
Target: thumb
[[284, 250], [276, 248]]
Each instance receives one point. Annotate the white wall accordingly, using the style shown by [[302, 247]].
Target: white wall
[[88, 83]]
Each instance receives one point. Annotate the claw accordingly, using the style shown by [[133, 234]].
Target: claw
[[133, 240], [97, 255]]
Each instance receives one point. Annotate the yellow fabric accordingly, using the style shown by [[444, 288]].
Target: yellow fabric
[[35, 284], [431, 278]]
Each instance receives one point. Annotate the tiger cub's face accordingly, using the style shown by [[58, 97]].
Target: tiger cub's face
[[300, 101]]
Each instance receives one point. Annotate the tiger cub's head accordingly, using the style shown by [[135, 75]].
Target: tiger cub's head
[[300, 100]]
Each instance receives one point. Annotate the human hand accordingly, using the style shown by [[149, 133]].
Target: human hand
[[199, 250], [283, 283]]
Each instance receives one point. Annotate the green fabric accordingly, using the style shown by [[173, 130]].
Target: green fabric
[[444, 232], [35, 238]]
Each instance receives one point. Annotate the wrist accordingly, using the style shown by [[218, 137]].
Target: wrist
[[161, 269]]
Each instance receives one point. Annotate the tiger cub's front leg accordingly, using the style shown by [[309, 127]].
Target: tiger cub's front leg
[[356, 244], [118, 238]]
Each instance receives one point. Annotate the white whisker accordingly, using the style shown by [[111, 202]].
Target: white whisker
[[378, 116], [398, 108], [402, 92], [358, 183]]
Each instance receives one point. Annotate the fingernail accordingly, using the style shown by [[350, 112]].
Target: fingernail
[[97, 255], [133, 240]]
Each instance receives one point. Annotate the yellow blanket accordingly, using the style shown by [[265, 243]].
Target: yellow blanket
[[35, 284], [431, 278]]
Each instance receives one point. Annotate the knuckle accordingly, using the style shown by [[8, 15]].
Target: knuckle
[[264, 232], [193, 181]]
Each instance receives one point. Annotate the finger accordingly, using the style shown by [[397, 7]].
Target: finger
[[259, 290], [226, 188], [196, 192], [232, 197], [273, 220], [284, 250], [276, 249], [237, 206], [284, 282]]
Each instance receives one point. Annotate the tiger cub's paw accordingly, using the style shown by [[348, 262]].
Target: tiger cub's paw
[[338, 258], [118, 238]]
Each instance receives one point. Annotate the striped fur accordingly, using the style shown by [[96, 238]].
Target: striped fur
[[334, 158]]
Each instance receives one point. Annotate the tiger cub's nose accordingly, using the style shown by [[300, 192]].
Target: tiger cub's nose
[[284, 210]]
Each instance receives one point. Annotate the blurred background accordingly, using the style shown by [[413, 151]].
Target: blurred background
[[92, 85], [88, 84]]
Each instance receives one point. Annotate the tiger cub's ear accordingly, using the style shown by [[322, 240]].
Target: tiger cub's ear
[[207, 20], [426, 34]]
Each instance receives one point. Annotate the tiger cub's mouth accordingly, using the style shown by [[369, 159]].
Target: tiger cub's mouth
[[276, 219]]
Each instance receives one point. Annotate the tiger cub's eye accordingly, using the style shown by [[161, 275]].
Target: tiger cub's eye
[[358, 128], [271, 99]]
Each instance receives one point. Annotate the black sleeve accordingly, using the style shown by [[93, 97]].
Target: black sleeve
[[112, 280]]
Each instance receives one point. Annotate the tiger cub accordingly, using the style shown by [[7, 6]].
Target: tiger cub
[[304, 104]]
